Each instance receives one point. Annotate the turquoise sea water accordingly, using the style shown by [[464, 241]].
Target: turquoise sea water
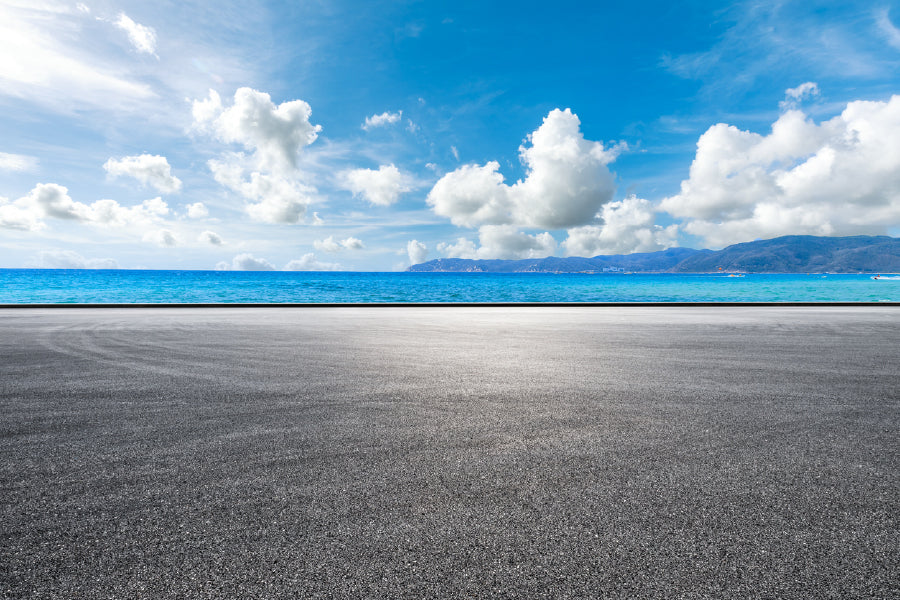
[[29, 286]]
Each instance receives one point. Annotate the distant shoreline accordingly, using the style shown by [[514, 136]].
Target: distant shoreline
[[476, 272], [794, 254]]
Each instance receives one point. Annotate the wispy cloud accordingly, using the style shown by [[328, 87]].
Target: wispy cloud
[[17, 162], [36, 62], [887, 27], [143, 38], [69, 259], [770, 40]]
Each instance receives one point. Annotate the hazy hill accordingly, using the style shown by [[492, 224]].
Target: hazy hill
[[789, 254]]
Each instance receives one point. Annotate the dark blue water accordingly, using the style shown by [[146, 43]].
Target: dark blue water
[[25, 286]]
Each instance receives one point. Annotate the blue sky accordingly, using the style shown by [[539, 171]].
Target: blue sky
[[369, 135]]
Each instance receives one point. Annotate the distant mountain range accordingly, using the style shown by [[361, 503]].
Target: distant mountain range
[[788, 254]]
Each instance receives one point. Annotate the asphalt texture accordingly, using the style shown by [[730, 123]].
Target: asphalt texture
[[680, 452]]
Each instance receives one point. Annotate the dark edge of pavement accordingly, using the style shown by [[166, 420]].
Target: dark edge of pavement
[[444, 304]]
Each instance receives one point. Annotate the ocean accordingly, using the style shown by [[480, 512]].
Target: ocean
[[66, 286]]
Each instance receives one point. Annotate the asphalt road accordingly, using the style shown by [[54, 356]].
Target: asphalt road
[[450, 452]]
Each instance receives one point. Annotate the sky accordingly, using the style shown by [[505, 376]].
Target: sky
[[368, 136]]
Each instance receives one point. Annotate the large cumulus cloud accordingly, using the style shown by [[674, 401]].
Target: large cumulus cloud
[[566, 182], [273, 135], [838, 177]]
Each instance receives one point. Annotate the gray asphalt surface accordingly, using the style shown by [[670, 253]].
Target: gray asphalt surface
[[454, 453]]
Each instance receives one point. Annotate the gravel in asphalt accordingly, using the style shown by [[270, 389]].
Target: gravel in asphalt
[[672, 452]]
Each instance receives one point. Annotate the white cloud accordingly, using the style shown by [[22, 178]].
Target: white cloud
[[275, 133], [52, 200], [455, 153], [206, 111], [308, 262], [501, 241], [839, 177], [382, 187], [17, 162], [246, 262], [794, 96], [67, 259], [273, 198], [472, 195], [804, 90], [505, 241], [143, 38], [890, 31], [111, 213], [197, 210], [43, 61], [149, 169], [210, 237], [316, 220], [566, 183], [161, 237], [49, 200], [331, 245], [761, 39], [627, 226], [417, 251], [352, 243], [385, 118], [16, 216], [327, 245], [463, 248]]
